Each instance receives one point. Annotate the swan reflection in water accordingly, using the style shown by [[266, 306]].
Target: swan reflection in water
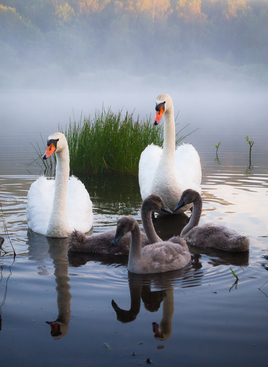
[[41, 248]]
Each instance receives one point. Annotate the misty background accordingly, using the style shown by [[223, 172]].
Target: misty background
[[63, 60], [143, 43]]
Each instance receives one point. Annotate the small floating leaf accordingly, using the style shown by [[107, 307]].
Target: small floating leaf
[[107, 346]]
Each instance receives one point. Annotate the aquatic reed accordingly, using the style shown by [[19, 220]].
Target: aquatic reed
[[217, 148], [109, 142], [251, 143]]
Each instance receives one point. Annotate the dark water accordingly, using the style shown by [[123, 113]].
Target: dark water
[[205, 316]]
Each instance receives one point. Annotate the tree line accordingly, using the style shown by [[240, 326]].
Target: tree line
[[135, 36]]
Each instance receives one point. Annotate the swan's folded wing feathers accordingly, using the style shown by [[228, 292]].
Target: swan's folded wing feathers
[[211, 235], [79, 206], [148, 163], [39, 204], [188, 167], [165, 256]]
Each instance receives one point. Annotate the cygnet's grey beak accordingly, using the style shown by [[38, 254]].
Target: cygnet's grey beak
[[166, 210], [180, 204], [118, 235]]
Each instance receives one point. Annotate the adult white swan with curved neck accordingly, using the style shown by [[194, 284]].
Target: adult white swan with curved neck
[[158, 257], [209, 235], [57, 207], [168, 172]]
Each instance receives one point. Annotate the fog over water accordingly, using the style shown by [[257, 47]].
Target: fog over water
[[66, 60], [225, 117]]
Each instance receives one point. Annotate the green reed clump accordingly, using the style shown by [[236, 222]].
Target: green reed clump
[[109, 141]]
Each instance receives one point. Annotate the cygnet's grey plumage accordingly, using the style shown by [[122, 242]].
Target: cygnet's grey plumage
[[101, 243], [210, 234], [155, 258]]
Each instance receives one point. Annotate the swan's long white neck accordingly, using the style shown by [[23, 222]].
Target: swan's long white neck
[[58, 225], [195, 217], [169, 136], [135, 246]]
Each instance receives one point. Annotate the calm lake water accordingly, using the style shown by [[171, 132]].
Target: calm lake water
[[206, 317]]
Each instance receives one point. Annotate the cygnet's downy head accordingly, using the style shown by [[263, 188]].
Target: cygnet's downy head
[[124, 225], [188, 196], [55, 143], [163, 103], [155, 203]]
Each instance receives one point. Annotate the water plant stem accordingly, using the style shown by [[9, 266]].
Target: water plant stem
[[6, 232], [251, 143]]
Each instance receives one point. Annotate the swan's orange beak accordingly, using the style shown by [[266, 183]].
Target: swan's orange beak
[[50, 150], [158, 115], [160, 109]]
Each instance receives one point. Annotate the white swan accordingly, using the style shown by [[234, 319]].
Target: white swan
[[101, 243], [208, 235], [168, 172], [56, 207], [155, 258]]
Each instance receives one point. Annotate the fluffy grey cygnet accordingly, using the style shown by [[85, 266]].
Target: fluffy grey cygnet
[[101, 243], [208, 235], [158, 257]]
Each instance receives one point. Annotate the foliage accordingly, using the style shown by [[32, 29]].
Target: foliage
[[109, 142], [131, 35], [250, 142], [64, 13]]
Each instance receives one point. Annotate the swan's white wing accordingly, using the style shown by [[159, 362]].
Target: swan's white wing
[[79, 206], [148, 163], [188, 167], [39, 204]]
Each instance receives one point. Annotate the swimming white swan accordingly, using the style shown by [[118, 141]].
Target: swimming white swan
[[168, 172], [155, 258], [101, 243], [210, 234], [56, 207]]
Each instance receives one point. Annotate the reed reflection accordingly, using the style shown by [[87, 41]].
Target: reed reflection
[[113, 193], [41, 248], [4, 286]]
